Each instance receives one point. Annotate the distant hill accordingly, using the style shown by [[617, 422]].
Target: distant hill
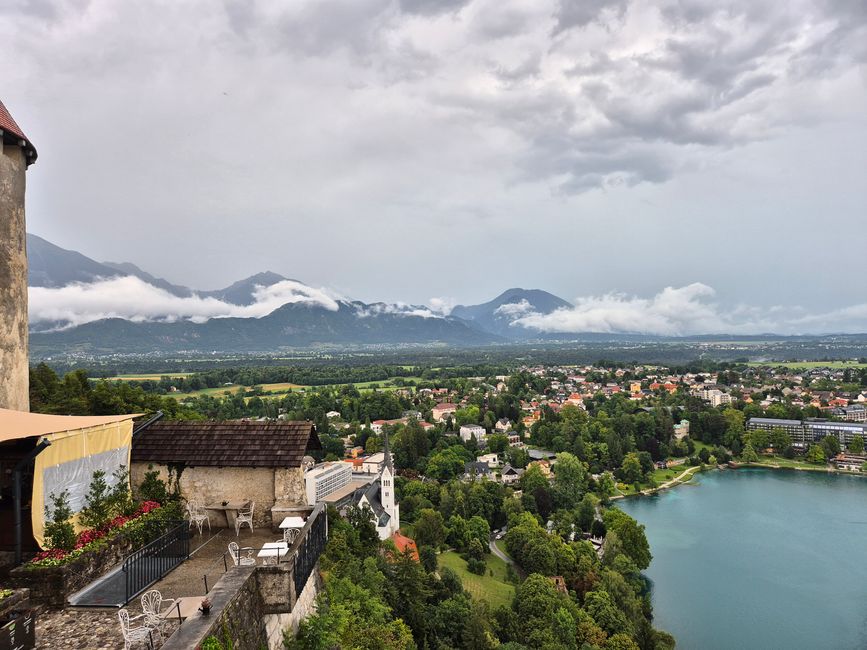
[[52, 266], [126, 268], [296, 325], [497, 315], [241, 292], [299, 324]]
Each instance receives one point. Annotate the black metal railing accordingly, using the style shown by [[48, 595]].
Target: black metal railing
[[314, 537], [150, 563]]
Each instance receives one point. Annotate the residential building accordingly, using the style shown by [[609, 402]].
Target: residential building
[[468, 431], [854, 413], [373, 464], [503, 425], [510, 474], [493, 460], [477, 469], [681, 430], [324, 479], [443, 410], [543, 465]]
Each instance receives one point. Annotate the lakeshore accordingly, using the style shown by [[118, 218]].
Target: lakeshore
[[746, 562]]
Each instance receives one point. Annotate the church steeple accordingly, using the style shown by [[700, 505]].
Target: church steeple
[[386, 488], [386, 453]]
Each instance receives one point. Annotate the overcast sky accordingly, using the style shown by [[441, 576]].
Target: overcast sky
[[411, 149]]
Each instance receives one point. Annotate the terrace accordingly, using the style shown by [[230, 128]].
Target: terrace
[[252, 605]]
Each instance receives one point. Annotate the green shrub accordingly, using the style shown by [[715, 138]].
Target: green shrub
[[476, 566], [97, 513], [146, 529], [153, 488], [120, 497], [59, 532]]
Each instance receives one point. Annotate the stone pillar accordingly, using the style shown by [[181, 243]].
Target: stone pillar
[[14, 369]]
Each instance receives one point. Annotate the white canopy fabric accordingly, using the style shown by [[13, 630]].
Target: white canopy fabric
[[15, 425]]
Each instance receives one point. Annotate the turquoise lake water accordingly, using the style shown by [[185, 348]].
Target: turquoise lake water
[[760, 559]]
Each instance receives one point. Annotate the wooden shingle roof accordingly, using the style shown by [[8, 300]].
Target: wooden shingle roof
[[226, 444]]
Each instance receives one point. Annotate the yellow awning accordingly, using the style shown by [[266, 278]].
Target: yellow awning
[[15, 425]]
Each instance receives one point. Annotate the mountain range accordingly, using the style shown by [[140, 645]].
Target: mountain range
[[304, 320]]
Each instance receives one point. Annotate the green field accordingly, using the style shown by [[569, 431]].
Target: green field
[[278, 389], [492, 588], [281, 389], [149, 376], [807, 365]]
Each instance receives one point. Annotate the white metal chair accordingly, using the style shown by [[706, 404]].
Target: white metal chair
[[245, 516], [152, 604], [235, 552], [142, 633], [198, 516], [290, 535]]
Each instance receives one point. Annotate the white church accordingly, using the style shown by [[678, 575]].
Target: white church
[[379, 497]]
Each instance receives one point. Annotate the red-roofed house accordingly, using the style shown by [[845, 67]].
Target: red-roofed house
[[443, 410], [404, 544]]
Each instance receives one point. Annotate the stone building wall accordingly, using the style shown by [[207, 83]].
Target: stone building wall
[[214, 484], [14, 393]]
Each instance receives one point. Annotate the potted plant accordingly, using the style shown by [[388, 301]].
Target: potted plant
[[205, 608]]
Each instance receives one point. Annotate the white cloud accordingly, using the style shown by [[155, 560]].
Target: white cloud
[[398, 309], [441, 305], [688, 310], [133, 299], [513, 309]]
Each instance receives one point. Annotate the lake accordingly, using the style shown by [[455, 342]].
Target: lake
[[757, 558]]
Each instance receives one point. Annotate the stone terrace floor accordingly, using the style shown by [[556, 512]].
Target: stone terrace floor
[[76, 628]]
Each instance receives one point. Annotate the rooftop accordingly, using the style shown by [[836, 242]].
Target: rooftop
[[12, 134], [226, 444]]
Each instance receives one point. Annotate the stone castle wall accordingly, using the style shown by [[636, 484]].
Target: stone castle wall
[[14, 379]]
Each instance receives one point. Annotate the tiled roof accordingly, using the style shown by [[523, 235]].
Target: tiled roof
[[12, 133], [226, 444]]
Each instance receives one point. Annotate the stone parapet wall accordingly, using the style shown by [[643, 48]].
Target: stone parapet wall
[[52, 585]]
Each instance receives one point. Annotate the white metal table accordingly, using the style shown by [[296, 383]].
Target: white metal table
[[273, 550], [292, 522]]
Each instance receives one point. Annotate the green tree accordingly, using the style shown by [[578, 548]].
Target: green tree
[[632, 468], [831, 445], [857, 445], [59, 532], [430, 528], [816, 455], [445, 465], [749, 455], [570, 480], [631, 535]]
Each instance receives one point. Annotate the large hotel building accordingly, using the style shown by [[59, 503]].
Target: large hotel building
[[807, 432]]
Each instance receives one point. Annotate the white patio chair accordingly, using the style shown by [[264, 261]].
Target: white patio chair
[[235, 552], [245, 516], [152, 605], [290, 535], [198, 516], [142, 633]]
